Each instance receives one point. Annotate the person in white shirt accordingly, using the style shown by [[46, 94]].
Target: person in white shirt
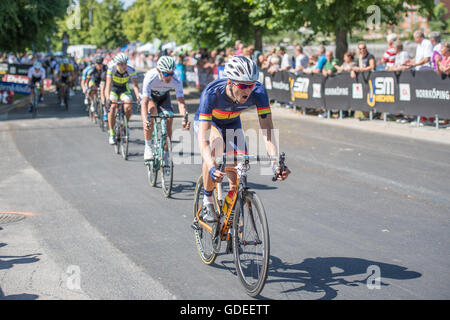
[[286, 64], [36, 74], [301, 60], [402, 58], [156, 99], [424, 52]]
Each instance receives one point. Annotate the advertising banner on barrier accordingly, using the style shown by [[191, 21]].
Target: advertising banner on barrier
[[3, 68], [19, 69], [421, 93], [16, 87], [424, 93]]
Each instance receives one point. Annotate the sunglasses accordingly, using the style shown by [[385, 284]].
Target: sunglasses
[[165, 74], [243, 86]]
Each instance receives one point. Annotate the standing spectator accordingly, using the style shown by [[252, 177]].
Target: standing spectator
[[444, 63], [312, 64], [389, 56], [348, 64], [321, 60], [402, 58], [424, 52], [366, 61], [286, 64], [239, 48], [435, 38], [301, 59], [329, 67]]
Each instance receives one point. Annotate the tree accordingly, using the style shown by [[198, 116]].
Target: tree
[[26, 23], [140, 21], [437, 22], [340, 17], [107, 27]]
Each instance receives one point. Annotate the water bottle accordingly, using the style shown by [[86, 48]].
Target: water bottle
[[227, 203]]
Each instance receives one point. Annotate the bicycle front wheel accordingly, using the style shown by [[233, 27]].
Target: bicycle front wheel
[[167, 168], [251, 244], [203, 239], [124, 143]]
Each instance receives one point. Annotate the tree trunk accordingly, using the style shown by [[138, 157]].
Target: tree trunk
[[258, 38], [341, 43]]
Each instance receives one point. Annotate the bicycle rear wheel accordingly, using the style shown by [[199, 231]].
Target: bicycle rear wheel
[[203, 239], [167, 168], [117, 137], [251, 244]]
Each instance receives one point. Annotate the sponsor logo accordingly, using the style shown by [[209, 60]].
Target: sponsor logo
[[268, 83], [299, 88], [381, 89], [405, 92], [434, 94], [357, 91], [317, 90], [336, 91]]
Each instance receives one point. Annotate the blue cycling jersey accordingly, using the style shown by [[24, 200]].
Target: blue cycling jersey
[[218, 108]]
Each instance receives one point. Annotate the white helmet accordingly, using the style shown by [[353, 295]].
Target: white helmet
[[240, 68], [166, 64], [37, 64], [120, 57]]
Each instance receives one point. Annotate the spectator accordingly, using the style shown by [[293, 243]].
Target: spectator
[[402, 58], [312, 64], [424, 52], [329, 67], [348, 64], [265, 61], [366, 60], [274, 65], [389, 56], [301, 59], [239, 48], [435, 38], [286, 64], [321, 60], [444, 63]]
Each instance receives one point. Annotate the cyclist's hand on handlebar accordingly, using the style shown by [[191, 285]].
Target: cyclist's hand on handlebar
[[186, 125], [280, 176], [216, 175]]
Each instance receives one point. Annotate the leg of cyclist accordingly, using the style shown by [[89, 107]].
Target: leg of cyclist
[[112, 116], [41, 98], [147, 106]]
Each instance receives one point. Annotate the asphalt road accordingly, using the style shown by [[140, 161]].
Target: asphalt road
[[356, 205]]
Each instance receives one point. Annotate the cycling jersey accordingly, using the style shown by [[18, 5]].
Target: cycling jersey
[[86, 71], [36, 73], [95, 77], [65, 69], [120, 80], [217, 107], [154, 85]]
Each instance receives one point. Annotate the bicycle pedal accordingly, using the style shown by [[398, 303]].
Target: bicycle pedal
[[196, 226]]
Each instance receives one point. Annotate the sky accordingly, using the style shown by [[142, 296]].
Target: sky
[[127, 3]]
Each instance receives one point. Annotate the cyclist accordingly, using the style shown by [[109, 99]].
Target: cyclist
[[96, 79], [156, 99], [218, 115], [36, 74], [64, 75], [84, 82], [117, 88]]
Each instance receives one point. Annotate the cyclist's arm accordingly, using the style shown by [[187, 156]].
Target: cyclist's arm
[[266, 125], [134, 82], [102, 91], [107, 87], [203, 142]]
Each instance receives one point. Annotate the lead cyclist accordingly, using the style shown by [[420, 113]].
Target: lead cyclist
[[218, 126]]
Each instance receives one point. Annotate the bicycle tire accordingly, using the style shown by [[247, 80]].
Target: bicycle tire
[[246, 240], [152, 173], [167, 179], [124, 142], [117, 137], [203, 239]]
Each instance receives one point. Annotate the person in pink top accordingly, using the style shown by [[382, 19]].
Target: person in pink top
[[444, 64]]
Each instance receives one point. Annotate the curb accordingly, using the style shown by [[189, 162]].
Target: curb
[[8, 107]]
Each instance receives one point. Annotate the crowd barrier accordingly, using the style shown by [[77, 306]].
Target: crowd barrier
[[419, 93]]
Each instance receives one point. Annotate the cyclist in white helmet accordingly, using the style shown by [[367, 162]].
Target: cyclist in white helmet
[[218, 126], [118, 76], [156, 98], [36, 74]]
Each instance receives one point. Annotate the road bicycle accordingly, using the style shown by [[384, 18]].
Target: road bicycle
[[121, 130], [66, 95], [34, 104], [94, 105], [242, 224], [162, 152]]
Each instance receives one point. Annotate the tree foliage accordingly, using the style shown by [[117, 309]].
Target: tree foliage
[[25, 23]]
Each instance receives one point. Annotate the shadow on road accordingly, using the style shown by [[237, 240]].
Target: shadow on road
[[324, 275], [7, 262]]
